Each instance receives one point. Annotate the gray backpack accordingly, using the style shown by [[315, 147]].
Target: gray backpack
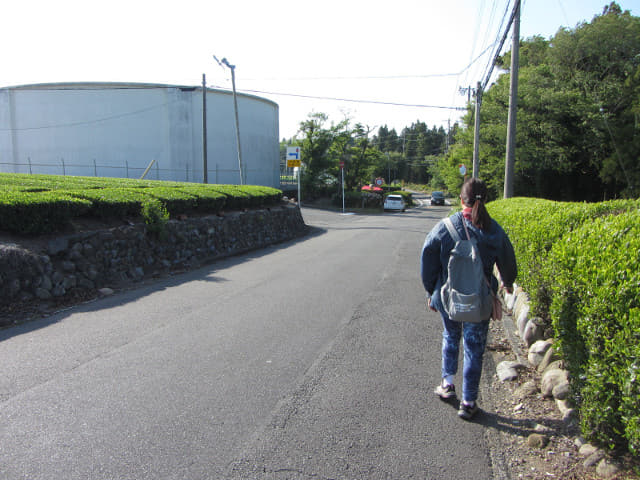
[[466, 295]]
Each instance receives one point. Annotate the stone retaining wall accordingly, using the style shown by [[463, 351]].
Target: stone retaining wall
[[107, 258], [553, 379]]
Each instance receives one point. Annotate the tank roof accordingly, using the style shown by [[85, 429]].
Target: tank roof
[[124, 86]]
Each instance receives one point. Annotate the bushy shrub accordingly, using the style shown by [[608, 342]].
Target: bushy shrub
[[596, 315], [580, 263], [534, 225], [175, 200], [155, 216], [112, 202], [45, 203], [38, 212], [407, 196], [208, 200], [359, 200]]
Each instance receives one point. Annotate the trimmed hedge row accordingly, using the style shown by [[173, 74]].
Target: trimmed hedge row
[[595, 311], [581, 265], [35, 204], [535, 225], [38, 211]]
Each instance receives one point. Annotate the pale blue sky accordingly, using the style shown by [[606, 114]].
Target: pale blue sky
[[335, 49]]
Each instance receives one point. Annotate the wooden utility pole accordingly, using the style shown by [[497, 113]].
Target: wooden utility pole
[[510, 160], [205, 176]]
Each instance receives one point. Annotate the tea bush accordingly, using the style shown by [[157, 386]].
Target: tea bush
[[596, 313], [32, 204], [155, 216], [38, 212], [580, 263], [111, 202], [534, 225]]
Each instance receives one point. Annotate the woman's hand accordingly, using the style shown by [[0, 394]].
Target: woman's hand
[[429, 305]]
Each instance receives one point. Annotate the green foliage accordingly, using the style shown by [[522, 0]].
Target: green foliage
[[580, 264], [534, 226], [578, 100], [596, 312], [155, 216], [207, 200], [316, 143], [407, 196], [112, 202], [358, 200], [409, 157], [32, 204], [37, 212]]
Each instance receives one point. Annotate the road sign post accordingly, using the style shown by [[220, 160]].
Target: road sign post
[[294, 161], [342, 176], [463, 170]]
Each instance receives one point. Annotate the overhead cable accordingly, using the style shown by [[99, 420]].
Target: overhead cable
[[504, 38], [335, 99]]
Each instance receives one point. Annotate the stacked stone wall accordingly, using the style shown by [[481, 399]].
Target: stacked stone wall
[[92, 260]]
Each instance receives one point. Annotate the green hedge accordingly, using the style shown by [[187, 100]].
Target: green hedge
[[407, 196], [580, 263], [596, 313], [534, 225], [38, 212], [111, 202], [32, 204]]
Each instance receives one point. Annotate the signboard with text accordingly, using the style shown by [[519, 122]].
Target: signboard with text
[[293, 157]]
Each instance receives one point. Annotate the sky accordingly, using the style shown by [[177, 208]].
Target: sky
[[375, 63]]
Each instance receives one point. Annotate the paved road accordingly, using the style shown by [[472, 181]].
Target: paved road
[[313, 359]]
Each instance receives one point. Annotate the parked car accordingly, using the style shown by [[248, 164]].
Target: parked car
[[437, 198], [394, 202]]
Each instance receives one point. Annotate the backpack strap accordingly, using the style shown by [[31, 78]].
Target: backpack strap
[[452, 230]]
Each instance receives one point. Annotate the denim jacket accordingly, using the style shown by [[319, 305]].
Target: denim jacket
[[494, 246]]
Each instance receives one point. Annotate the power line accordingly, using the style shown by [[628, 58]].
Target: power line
[[499, 49], [336, 99], [367, 77]]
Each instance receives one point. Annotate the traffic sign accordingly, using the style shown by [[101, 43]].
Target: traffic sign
[[293, 153], [293, 157]]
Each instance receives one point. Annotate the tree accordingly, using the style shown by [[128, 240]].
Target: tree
[[577, 137], [316, 143], [362, 156]]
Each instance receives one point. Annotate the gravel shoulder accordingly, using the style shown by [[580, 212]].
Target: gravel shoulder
[[527, 436]]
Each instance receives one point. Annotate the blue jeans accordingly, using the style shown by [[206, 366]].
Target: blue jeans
[[475, 340]]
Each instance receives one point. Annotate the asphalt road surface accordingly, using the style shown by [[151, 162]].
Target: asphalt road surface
[[313, 359]]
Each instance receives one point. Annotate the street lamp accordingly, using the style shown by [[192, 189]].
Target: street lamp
[[226, 63]]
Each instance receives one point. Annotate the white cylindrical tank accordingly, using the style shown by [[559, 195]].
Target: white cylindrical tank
[[118, 129]]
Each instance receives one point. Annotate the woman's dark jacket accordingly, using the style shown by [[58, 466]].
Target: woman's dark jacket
[[494, 246]]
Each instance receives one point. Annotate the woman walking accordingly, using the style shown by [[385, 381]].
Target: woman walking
[[495, 248]]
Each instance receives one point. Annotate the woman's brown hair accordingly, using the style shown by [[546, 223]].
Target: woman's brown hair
[[474, 195]]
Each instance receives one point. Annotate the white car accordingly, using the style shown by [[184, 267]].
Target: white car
[[394, 202]]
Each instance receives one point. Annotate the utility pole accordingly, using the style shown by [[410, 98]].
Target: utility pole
[[235, 107], [205, 176], [476, 133], [510, 160], [225, 62]]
